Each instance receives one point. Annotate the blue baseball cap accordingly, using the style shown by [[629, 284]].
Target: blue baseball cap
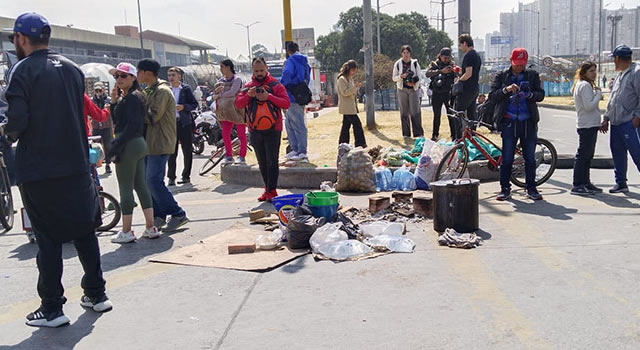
[[621, 51], [30, 24]]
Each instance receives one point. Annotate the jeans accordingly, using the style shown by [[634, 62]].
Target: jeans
[[163, 202], [410, 113], [624, 138], [296, 128], [227, 127], [358, 133], [267, 148], [512, 131], [49, 261], [185, 139], [586, 150], [440, 99]]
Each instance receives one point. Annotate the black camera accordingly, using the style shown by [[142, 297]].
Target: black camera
[[259, 90], [411, 78]]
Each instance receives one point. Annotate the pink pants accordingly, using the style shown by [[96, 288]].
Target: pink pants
[[226, 136]]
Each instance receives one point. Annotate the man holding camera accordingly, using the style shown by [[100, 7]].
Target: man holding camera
[[442, 77], [515, 93], [406, 74]]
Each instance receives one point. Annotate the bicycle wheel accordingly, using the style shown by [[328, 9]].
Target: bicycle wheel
[[546, 158], [453, 164], [198, 145], [6, 199], [215, 159], [110, 210]]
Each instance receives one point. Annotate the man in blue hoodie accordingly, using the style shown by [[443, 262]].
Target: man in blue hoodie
[[296, 71]]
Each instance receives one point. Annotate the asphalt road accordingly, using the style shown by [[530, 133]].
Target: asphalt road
[[561, 273]]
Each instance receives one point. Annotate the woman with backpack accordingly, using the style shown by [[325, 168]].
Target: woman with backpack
[[228, 115], [347, 104], [586, 96], [128, 150]]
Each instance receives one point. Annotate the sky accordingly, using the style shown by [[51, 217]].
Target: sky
[[212, 21]]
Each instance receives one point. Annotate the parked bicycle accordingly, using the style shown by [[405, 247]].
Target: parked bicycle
[[207, 130], [109, 205], [218, 155], [6, 197], [455, 161]]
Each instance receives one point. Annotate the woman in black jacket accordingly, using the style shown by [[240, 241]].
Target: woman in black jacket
[[129, 149]]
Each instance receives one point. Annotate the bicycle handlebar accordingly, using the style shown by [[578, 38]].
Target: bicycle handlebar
[[462, 115]]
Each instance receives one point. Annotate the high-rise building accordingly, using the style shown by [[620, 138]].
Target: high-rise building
[[627, 28]]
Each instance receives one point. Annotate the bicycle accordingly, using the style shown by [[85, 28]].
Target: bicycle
[[110, 209], [455, 161], [218, 155], [6, 197]]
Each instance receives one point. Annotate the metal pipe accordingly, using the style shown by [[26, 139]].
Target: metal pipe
[[140, 35]]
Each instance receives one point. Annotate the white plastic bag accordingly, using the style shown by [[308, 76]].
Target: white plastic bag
[[344, 250], [327, 233], [393, 243], [381, 228]]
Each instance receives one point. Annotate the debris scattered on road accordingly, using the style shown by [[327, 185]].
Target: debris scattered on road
[[453, 239]]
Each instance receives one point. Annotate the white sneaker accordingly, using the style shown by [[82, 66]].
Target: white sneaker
[[291, 154], [299, 157], [124, 237], [151, 233]]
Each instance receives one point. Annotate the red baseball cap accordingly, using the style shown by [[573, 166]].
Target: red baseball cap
[[519, 57]]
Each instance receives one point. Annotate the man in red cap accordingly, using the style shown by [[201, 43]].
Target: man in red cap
[[515, 93]]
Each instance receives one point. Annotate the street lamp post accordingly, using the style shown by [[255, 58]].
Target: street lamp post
[[140, 24], [600, 37], [378, 20], [538, 25], [247, 26]]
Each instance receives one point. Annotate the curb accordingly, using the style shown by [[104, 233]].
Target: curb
[[565, 161], [313, 177], [561, 107]]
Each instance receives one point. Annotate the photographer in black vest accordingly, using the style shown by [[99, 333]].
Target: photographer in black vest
[[442, 77]]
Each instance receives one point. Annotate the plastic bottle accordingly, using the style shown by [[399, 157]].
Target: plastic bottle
[[384, 179]]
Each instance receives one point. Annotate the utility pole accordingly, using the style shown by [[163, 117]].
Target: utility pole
[[288, 31], [614, 29], [538, 25], [378, 20], [441, 17], [140, 35], [368, 65], [600, 43], [248, 36], [464, 19]]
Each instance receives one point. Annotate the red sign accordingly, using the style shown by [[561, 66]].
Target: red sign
[[323, 78]]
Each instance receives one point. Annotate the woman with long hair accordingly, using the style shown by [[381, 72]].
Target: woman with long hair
[[587, 96], [128, 150], [228, 115], [348, 105]]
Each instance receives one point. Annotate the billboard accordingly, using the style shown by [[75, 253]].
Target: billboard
[[501, 40], [304, 37]]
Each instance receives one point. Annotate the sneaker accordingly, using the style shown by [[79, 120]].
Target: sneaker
[[271, 195], [99, 304], [619, 188], [264, 196], [175, 222], [184, 181], [107, 169], [581, 191], [298, 157], [434, 138], [42, 318], [227, 161], [240, 161], [593, 188], [291, 154], [534, 194], [172, 182], [151, 233], [124, 237], [504, 195], [159, 222]]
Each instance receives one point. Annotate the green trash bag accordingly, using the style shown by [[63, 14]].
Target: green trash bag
[[475, 154]]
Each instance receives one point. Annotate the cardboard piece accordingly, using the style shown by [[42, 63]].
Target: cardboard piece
[[213, 252]]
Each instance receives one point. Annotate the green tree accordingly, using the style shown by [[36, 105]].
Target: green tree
[[327, 51]]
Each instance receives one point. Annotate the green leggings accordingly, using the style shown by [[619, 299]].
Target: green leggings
[[130, 174]]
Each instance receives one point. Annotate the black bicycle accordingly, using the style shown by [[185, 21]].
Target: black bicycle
[[6, 198]]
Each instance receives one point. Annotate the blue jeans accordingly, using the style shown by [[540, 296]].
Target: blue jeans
[[526, 132], [623, 138], [163, 202], [296, 128]]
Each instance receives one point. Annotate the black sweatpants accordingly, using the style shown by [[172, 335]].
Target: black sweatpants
[[439, 99], [267, 148], [584, 156], [358, 133], [185, 139], [465, 102]]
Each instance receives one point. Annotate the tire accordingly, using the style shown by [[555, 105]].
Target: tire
[[546, 160], [198, 145], [110, 211], [6, 200], [215, 159], [453, 165]]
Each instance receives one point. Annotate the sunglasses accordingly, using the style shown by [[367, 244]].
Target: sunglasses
[[123, 76]]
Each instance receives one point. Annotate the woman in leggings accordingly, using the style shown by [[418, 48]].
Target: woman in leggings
[[128, 151], [228, 115]]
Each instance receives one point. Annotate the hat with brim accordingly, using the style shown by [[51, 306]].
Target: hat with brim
[[29, 24], [124, 67], [519, 57], [622, 51]]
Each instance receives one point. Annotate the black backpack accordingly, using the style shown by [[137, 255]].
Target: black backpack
[[301, 92]]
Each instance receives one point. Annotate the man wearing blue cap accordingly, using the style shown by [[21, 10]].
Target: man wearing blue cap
[[52, 167], [623, 112]]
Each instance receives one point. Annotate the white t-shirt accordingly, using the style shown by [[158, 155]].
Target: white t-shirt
[[176, 96]]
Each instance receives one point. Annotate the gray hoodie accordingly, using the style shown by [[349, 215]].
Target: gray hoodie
[[624, 104]]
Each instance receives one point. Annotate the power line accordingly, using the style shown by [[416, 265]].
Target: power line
[[441, 17]]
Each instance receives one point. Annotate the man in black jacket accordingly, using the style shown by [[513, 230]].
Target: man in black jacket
[[442, 76], [515, 93], [103, 129], [52, 167], [185, 103]]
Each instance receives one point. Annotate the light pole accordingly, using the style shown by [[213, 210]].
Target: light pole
[[538, 25], [247, 26], [140, 25], [378, 20], [600, 37]]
